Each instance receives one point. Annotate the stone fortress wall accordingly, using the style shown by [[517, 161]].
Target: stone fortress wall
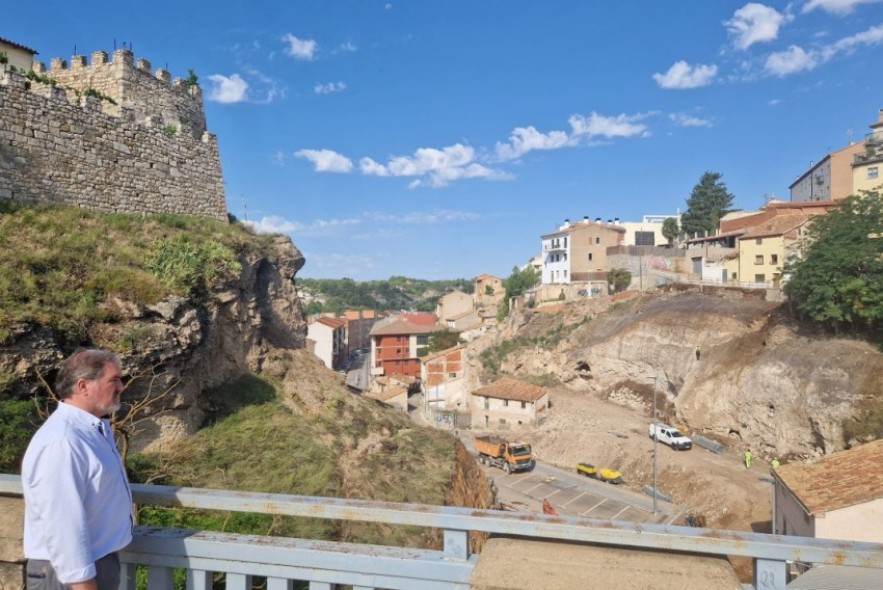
[[144, 151]]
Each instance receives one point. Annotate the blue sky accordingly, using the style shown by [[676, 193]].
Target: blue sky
[[440, 139]]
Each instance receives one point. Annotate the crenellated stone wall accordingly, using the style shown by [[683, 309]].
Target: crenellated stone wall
[[146, 150]]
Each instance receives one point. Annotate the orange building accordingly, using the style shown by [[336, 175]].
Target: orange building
[[397, 341]]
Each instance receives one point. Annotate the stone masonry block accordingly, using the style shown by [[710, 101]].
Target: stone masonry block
[[11, 525]]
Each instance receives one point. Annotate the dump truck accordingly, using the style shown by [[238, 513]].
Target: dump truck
[[507, 455]]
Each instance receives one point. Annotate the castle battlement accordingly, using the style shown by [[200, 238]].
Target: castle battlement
[[133, 85], [146, 150]]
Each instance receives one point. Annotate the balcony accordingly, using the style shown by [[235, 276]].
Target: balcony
[[324, 565], [554, 247]]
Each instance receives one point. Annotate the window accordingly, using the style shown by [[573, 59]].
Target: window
[[774, 259], [598, 240], [590, 255], [759, 278], [565, 242], [487, 403], [758, 259], [645, 238], [398, 351], [565, 273], [758, 241], [523, 405], [505, 403], [452, 375], [502, 421], [873, 171]]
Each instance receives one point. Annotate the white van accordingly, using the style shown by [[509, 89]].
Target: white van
[[670, 436]]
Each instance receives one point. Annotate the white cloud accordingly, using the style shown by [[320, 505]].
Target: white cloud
[[526, 139], [835, 6], [434, 167], [423, 217], [755, 23], [227, 90], [683, 120], [596, 125], [304, 49], [326, 160], [872, 36], [343, 264], [682, 75], [329, 88], [347, 47], [774, 102], [790, 61], [272, 224]]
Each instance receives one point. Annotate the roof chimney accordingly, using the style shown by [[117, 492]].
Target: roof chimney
[[597, 220]]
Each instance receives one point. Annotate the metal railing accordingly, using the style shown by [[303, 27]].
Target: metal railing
[[325, 564]]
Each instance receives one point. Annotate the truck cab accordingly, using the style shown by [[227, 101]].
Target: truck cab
[[670, 436]]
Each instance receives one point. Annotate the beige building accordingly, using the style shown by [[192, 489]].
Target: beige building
[[453, 304], [489, 292], [577, 251], [839, 496], [508, 403], [19, 56]]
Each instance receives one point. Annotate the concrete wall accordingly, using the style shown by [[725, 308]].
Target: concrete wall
[[59, 146], [863, 522], [11, 555]]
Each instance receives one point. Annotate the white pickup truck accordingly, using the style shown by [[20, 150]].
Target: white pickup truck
[[670, 436]]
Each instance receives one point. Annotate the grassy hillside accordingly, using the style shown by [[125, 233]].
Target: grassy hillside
[[292, 429], [65, 267]]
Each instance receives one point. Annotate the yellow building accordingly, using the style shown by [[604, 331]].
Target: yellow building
[[868, 165], [763, 250]]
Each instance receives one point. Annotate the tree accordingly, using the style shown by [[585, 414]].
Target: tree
[[442, 340], [837, 280], [709, 201], [670, 229], [618, 279], [519, 282]]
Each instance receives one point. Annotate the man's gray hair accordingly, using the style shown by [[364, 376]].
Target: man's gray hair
[[85, 363]]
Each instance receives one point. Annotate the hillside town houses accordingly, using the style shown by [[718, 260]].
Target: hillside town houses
[[748, 250]]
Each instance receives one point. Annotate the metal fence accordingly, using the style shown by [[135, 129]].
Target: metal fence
[[325, 564]]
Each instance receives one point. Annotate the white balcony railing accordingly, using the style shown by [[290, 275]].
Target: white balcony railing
[[325, 564]]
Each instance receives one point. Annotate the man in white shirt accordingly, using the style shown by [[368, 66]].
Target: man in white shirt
[[78, 504]]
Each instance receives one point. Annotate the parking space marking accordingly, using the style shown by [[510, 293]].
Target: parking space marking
[[595, 506], [581, 494], [618, 513]]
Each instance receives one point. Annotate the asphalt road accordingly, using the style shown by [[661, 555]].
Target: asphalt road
[[575, 495]]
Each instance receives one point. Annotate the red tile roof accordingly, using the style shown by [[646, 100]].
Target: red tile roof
[[398, 325], [331, 322], [512, 389], [838, 480], [777, 226]]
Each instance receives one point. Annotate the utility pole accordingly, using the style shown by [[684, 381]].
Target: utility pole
[[654, 446]]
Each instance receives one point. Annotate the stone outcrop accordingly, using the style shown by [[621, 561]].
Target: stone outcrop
[[193, 346]]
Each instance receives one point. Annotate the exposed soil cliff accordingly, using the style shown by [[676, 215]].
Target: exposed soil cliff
[[760, 378]]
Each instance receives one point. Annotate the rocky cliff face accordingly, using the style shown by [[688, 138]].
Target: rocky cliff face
[[760, 379], [177, 341]]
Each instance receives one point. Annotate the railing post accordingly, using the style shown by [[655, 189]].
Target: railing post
[[769, 574], [127, 576], [456, 544], [199, 580], [237, 582]]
